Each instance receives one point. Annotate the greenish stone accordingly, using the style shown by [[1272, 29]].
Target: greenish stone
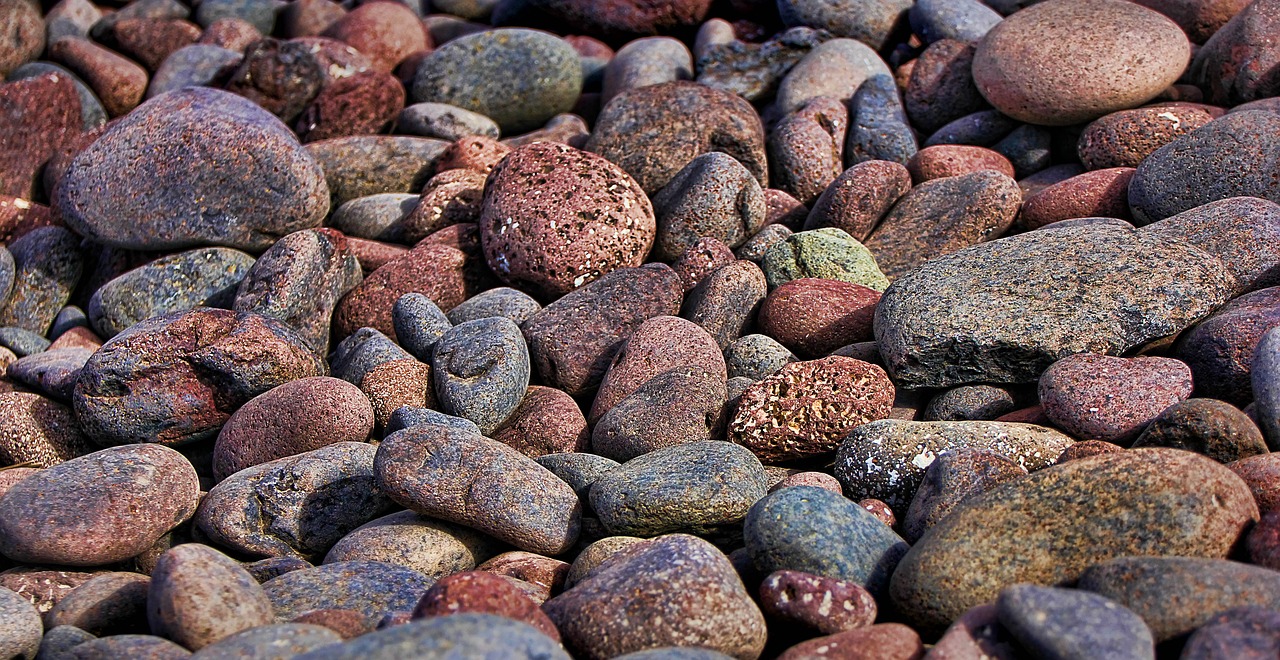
[[829, 254]]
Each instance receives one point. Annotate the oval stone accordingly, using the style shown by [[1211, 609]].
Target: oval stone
[[199, 596]]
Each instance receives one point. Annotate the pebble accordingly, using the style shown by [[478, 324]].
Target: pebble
[[946, 160], [371, 588], [940, 88], [578, 469], [197, 65], [821, 603], [418, 323], [674, 590], [1237, 231], [502, 301], [109, 603], [297, 506], [954, 475], [756, 356], [675, 407], [518, 78], [431, 547], [403, 164], [444, 122], [724, 303], [886, 640], [878, 125], [470, 635], [1206, 426], [1240, 632], [658, 345], [484, 593], [43, 108], [859, 198], [474, 481], [283, 640], [816, 531], [43, 587], [140, 647], [387, 33], [97, 509], [47, 263], [361, 352], [199, 596], [713, 195], [1263, 542], [701, 259], [962, 20], [1127, 137], [1067, 623], [869, 22], [806, 148], [826, 254], [1259, 473], [1184, 504], [547, 421], [1228, 68], [360, 104], [22, 342], [974, 402], [814, 316], [38, 430], [1100, 397], [480, 370], [644, 62], [22, 630], [1266, 386]]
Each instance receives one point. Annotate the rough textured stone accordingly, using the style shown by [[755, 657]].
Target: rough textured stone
[[878, 124], [1066, 623], [199, 596], [1100, 397], [1238, 230], [822, 603], [1127, 137], [20, 635], [713, 195], [834, 69], [34, 429], [485, 593], [1240, 632], [1234, 65], [434, 548], [480, 370], [724, 303], [141, 647], [953, 476], [285, 640], [372, 588], [658, 345], [869, 22], [547, 421], [858, 198], [464, 635], [46, 266], [829, 254], [1213, 428]]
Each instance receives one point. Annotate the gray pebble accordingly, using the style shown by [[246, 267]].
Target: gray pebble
[[20, 627], [713, 195], [502, 301], [434, 548], [419, 324], [467, 635], [47, 267], [756, 356], [405, 417], [361, 352], [372, 588], [1068, 624], [445, 122], [480, 370], [644, 62], [375, 217], [22, 342], [274, 642]]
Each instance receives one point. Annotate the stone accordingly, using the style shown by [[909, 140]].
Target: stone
[[433, 548], [1100, 397], [1184, 504], [197, 65], [1206, 426], [724, 303], [364, 103], [578, 469], [112, 175], [547, 421], [20, 635], [386, 33], [940, 88], [1266, 386], [1234, 67], [110, 603], [1075, 75], [1098, 193], [503, 301], [97, 509], [141, 647], [750, 70], [199, 596], [371, 588], [815, 316], [362, 352], [52, 372], [297, 506], [805, 408], [676, 589], [1240, 632], [444, 122], [650, 132], [963, 20], [116, 80], [46, 266], [878, 124], [38, 430], [1127, 137], [889, 640], [480, 370], [592, 220], [756, 356], [658, 345], [625, 19], [953, 476], [43, 110], [858, 198], [806, 148], [821, 603], [834, 69], [1067, 623], [1236, 230], [484, 593], [828, 254], [946, 160], [675, 407], [869, 22], [418, 323], [813, 530], [972, 312], [483, 484], [643, 62], [974, 402], [1263, 542], [362, 165], [464, 635], [286, 639], [713, 195]]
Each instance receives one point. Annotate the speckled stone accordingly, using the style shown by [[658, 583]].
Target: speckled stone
[[857, 199], [814, 316], [59, 640], [675, 407], [439, 472], [1075, 75], [361, 352], [889, 640], [348, 624], [139, 647], [273, 567], [387, 33], [1127, 137], [940, 88], [825, 604], [643, 62], [658, 345], [475, 153], [116, 80], [750, 70], [44, 588], [955, 475], [869, 22], [713, 195], [445, 122], [1177, 594], [1100, 397], [653, 132], [755, 247], [1262, 474], [819, 532], [1001, 312], [806, 407], [231, 32], [547, 421], [465, 635], [26, 32], [1247, 633], [500, 302], [43, 117], [806, 148], [1066, 623], [834, 69], [480, 370], [20, 635], [578, 469], [444, 274], [97, 509], [47, 264], [22, 342], [942, 216], [819, 480], [483, 593], [964, 20], [1263, 542], [151, 40], [434, 548], [1183, 504], [107, 180], [193, 66], [1098, 193], [539, 576], [705, 256], [37, 429], [592, 220], [404, 164], [756, 356], [572, 340], [199, 596], [129, 390], [372, 588], [109, 603], [878, 124], [1233, 67], [676, 589], [1206, 426], [297, 506], [945, 160], [418, 323], [398, 384], [1239, 231], [974, 402], [724, 303], [829, 254], [621, 20], [519, 78], [360, 104], [285, 640], [888, 459], [1265, 375]]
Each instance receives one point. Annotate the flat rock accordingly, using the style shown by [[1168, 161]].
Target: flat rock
[[480, 370], [21, 633], [432, 547], [1102, 397], [1066, 623], [372, 588], [462, 635]]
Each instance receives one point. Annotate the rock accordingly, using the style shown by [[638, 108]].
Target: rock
[[1266, 386], [444, 122], [676, 589], [52, 372], [1099, 193], [974, 402], [869, 22], [972, 312], [97, 509], [806, 407], [465, 635], [650, 132], [58, 641], [25, 32], [572, 340], [21, 342], [888, 459], [755, 247], [109, 603], [518, 78], [946, 160], [889, 640], [1177, 594], [857, 200], [626, 19], [197, 65], [724, 303], [281, 77], [387, 33], [480, 370], [1233, 65], [1219, 349], [296, 506], [756, 356], [940, 88], [834, 69], [1213, 428], [362, 352], [363, 165], [503, 301], [46, 267], [592, 220], [825, 604], [44, 111], [1099, 397], [116, 80], [199, 596], [942, 216], [806, 148], [966, 20], [286, 639], [34, 429], [418, 324], [1263, 541], [678, 406], [1184, 504], [713, 195], [827, 254], [357, 105], [1125, 138], [1093, 72], [955, 475], [1240, 632], [20, 635], [372, 588], [1066, 623], [816, 531], [1237, 230], [878, 124], [141, 647], [398, 384], [547, 421], [644, 62], [108, 178], [433, 548], [814, 316], [658, 345], [480, 483], [750, 70], [578, 469], [483, 593]]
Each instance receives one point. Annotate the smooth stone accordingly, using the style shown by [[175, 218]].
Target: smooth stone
[[725, 302], [363, 165], [891, 640], [445, 122], [480, 370], [1101, 397], [98, 509], [109, 603], [296, 506], [973, 402], [1265, 376], [657, 346], [388, 34], [859, 198], [419, 324], [888, 459], [503, 301], [999, 313], [46, 266], [272, 642], [1220, 349], [376, 217], [644, 62], [815, 316], [483, 592], [675, 407], [23, 342], [1097, 193], [1240, 632], [1172, 502], [869, 22], [940, 88], [625, 19], [806, 149], [1206, 426], [578, 469], [135, 647], [878, 124], [197, 65], [547, 421], [38, 430], [827, 253], [1067, 623], [713, 195], [955, 475], [22, 630], [834, 69], [963, 20], [1231, 67], [53, 372], [467, 635], [945, 160], [58, 642], [756, 356], [820, 603], [362, 352], [372, 588], [433, 548], [199, 596], [1261, 474], [810, 529]]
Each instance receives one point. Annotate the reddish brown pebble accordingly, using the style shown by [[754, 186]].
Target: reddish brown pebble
[[349, 624], [813, 317], [450, 198], [309, 18], [977, 635], [474, 152], [387, 32], [940, 88], [355, 105], [1096, 194], [548, 421], [859, 198], [1087, 448], [232, 33], [1262, 474], [880, 510], [77, 337], [24, 34], [12, 475], [1126, 138], [432, 270], [483, 593], [816, 479], [198, 596], [1029, 415], [944, 160], [294, 418], [44, 588], [826, 604], [118, 82], [701, 259], [546, 573], [18, 215], [373, 255], [151, 40], [886, 641], [806, 408], [806, 149], [659, 345], [1100, 397], [41, 117], [397, 383], [1263, 542], [38, 430], [783, 209]]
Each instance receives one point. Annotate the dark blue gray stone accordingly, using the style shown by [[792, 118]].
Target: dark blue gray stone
[[134, 647], [810, 529], [444, 121], [372, 588], [700, 488], [92, 114], [21, 629], [981, 129], [405, 417], [419, 324], [375, 217], [579, 470], [260, 14], [1236, 634], [878, 124], [962, 20], [1265, 376], [274, 642], [47, 265], [1066, 624], [362, 352], [193, 66], [480, 370], [756, 356], [22, 342], [1029, 148], [713, 195], [479, 636], [869, 21], [502, 301], [59, 640], [68, 317], [53, 373]]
